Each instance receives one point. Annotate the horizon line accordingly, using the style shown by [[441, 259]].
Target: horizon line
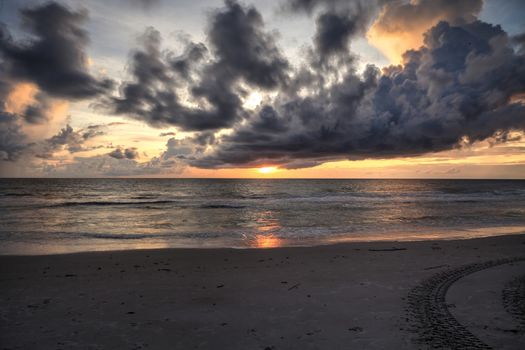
[[259, 178]]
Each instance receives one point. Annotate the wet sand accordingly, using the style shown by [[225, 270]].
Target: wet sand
[[380, 295]]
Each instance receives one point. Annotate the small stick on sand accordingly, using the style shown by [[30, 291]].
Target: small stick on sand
[[386, 250], [294, 286]]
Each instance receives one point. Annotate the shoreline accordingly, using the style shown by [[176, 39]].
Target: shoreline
[[324, 297], [509, 231]]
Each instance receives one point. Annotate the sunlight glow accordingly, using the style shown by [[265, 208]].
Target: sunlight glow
[[271, 241], [267, 170], [253, 100]]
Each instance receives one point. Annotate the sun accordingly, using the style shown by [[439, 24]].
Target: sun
[[267, 170]]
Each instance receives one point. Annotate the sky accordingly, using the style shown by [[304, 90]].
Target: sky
[[285, 88]]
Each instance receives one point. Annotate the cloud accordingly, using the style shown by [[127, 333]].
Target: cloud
[[19, 97], [39, 111], [67, 139], [170, 133], [337, 22], [310, 6], [55, 58], [401, 24], [242, 47], [458, 85], [461, 81], [128, 153], [102, 165], [519, 41], [12, 139], [242, 52], [334, 31], [123, 162], [38, 75], [185, 64], [145, 4]]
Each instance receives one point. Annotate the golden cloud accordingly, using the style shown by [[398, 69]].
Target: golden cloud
[[20, 97], [400, 25]]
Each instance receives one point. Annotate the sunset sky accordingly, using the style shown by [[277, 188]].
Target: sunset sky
[[296, 88]]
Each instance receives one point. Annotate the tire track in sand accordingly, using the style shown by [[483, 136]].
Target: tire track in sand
[[428, 313], [513, 298]]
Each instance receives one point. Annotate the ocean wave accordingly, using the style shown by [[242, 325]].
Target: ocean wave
[[16, 194], [111, 203], [252, 197], [222, 206], [116, 236], [145, 197]]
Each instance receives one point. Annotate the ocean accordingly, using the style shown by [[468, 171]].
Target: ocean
[[47, 216]]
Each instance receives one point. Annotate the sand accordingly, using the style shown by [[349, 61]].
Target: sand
[[388, 295]]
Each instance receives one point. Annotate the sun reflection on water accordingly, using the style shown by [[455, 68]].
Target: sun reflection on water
[[266, 225], [271, 241]]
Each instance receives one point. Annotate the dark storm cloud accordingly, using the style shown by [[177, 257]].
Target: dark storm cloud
[[337, 23], [128, 153], [204, 139], [55, 57], [152, 97], [244, 48], [185, 64], [5, 85], [457, 88], [179, 149], [340, 20], [333, 32], [37, 112], [12, 139], [458, 85], [519, 41], [241, 52], [335, 28]]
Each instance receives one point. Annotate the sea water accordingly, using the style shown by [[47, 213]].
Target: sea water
[[45, 216]]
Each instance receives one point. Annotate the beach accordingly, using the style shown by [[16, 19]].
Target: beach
[[380, 295], [243, 175]]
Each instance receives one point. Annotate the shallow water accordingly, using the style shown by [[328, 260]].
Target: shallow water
[[42, 216]]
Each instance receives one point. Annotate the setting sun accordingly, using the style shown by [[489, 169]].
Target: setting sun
[[267, 170]]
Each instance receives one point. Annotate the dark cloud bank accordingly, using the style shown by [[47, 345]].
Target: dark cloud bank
[[458, 87], [241, 51], [53, 59]]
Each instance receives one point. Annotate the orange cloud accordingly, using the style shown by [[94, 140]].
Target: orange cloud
[[56, 113], [24, 95], [394, 44], [20, 97], [401, 25], [518, 98]]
